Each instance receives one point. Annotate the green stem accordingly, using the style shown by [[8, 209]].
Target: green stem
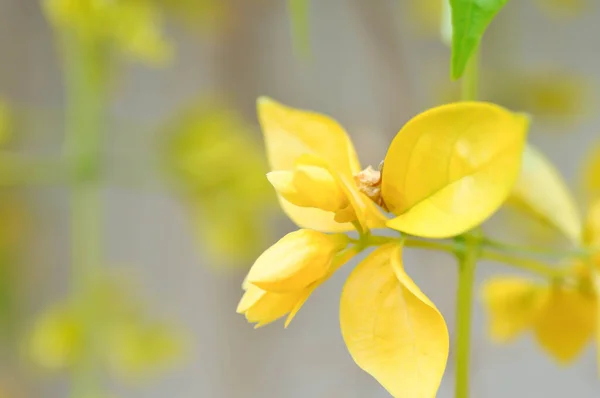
[[527, 264], [533, 251], [85, 108], [464, 303], [299, 11], [470, 79], [467, 264]]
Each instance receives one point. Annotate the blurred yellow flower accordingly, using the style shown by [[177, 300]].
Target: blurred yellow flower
[[123, 336], [57, 340], [563, 313], [541, 192], [392, 330], [221, 171], [133, 27], [561, 317]]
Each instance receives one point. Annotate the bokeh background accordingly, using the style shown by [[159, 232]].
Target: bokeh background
[[184, 214]]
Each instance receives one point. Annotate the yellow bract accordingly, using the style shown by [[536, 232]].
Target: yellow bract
[[300, 139], [451, 167], [296, 261], [57, 340], [541, 191], [591, 232], [392, 330], [566, 324], [263, 307], [562, 318], [591, 174], [120, 330], [309, 186], [132, 26], [513, 305]]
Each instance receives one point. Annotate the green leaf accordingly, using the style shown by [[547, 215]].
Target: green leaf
[[470, 18]]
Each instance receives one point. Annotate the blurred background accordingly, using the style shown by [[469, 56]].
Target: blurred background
[[185, 207]]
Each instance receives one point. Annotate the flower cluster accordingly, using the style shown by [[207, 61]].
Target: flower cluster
[[446, 171]]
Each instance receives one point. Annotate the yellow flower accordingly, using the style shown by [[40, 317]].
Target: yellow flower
[[130, 26], [308, 151], [123, 335], [445, 172], [561, 317], [296, 261]]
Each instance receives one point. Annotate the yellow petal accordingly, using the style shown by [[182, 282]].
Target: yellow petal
[[290, 133], [309, 186], [591, 173], [296, 260], [513, 304], [265, 307], [392, 330], [451, 167], [566, 324], [591, 233], [541, 191], [56, 340], [361, 208]]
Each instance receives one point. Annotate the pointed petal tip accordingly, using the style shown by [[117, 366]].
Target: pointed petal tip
[[264, 101]]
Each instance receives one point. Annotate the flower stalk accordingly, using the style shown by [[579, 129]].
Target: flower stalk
[[84, 74], [467, 264]]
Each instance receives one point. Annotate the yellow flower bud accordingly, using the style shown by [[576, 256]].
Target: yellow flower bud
[[309, 186], [295, 261], [262, 307]]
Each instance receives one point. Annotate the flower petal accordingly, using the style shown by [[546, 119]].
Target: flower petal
[[513, 304], [392, 330], [296, 261], [541, 191], [265, 307], [566, 324], [451, 167], [290, 133]]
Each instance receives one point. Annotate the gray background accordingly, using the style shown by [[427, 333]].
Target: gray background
[[371, 72]]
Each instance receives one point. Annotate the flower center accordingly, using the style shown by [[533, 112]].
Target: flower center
[[368, 182]]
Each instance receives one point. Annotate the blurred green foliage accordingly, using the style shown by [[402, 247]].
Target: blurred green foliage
[[220, 171]]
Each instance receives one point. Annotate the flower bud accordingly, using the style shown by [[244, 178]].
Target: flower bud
[[296, 260], [262, 307], [309, 186]]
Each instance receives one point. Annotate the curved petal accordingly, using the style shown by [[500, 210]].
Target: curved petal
[[392, 330], [290, 133], [566, 324], [591, 173], [541, 191], [296, 261], [513, 305], [451, 167]]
